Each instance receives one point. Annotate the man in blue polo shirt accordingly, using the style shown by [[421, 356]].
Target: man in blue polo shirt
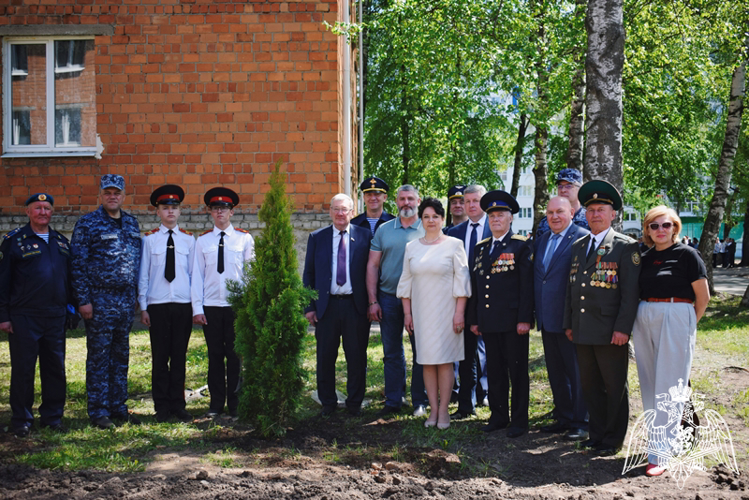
[[383, 272]]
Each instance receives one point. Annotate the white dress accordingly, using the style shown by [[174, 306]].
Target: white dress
[[434, 276]]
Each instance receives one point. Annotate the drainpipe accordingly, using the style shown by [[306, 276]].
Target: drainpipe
[[346, 17]]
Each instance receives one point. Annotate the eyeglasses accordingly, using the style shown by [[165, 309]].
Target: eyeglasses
[[666, 225]]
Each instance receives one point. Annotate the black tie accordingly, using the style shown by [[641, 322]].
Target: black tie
[[169, 271], [592, 250], [472, 242], [220, 267], [494, 255]]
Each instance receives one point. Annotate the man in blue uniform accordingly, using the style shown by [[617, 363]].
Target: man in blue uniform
[[106, 259], [34, 273], [569, 181], [501, 310], [164, 298], [375, 192]]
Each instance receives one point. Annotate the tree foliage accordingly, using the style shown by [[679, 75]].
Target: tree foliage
[[269, 304]]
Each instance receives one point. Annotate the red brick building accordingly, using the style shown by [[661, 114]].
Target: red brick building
[[192, 92]]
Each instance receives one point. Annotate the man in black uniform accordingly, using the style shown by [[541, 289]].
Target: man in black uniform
[[501, 310], [34, 273], [374, 191], [456, 207]]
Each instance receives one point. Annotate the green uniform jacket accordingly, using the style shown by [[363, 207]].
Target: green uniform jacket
[[602, 296]]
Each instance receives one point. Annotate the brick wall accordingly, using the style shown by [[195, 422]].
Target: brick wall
[[197, 93]]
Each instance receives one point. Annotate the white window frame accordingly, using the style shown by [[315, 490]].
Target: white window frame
[[38, 150]]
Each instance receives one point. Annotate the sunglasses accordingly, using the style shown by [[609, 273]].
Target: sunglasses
[[666, 225]]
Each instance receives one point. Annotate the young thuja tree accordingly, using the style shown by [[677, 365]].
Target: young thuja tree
[[270, 324]]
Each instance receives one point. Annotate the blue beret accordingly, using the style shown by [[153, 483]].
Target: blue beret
[[40, 197]]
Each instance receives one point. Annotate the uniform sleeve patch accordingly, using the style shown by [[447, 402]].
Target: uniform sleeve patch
[[636, 258]]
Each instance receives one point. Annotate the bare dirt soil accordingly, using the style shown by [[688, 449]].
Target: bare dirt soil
[[343, 457]]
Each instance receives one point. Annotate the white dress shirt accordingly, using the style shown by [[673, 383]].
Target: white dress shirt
[[153, 288], [208, 286], [479, 233], [596, 239], [344, 289]]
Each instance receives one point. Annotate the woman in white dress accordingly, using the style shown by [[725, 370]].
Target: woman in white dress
[[434, 288]]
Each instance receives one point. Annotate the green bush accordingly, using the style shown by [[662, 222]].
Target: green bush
[[270, 324]]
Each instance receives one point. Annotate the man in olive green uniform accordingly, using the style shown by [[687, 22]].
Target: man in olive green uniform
[[600, 310]]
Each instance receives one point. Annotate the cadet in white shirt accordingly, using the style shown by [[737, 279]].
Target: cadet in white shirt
[[220, 255], [164, 299]]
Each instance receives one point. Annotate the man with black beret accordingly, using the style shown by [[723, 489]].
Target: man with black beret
[[164, 298], [34, 297], [600, 309], [501, 311], [220, 255], [374, 191]]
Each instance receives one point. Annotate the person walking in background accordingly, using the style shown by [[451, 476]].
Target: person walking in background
[[336, 267], [220, 256], [34, 295], [164, 298], [551, 271], [106, 248], [434, 287], [384, 269], [673, 297]]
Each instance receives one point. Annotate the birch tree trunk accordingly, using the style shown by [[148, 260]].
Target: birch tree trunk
[[725, 167], [604, 64], [541, 197]]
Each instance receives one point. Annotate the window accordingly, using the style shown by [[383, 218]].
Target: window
[[525, 191], [525, 213], [50, 107], [630, 216]]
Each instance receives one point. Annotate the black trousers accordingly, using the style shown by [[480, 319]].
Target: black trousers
[[223, 379], [507, 363], [42, 337], [603, 374], [342, 321], [171, 326]]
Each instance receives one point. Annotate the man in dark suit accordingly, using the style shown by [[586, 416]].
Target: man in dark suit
[[336, 267], [600, 309], [375, 192], [551, 271], [472, 370], [501, 310]]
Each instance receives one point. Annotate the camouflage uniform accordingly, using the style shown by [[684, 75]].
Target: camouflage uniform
[[106, 261], [578, 219]]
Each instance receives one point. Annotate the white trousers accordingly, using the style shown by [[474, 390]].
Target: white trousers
[[664, 335]]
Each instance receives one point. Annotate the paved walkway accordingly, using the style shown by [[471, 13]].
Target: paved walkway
[[733, 281]]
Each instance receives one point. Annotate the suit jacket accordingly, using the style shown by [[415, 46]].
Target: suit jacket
[[550, 286], [504, 298], [361, 220], [318, 267], [595, 312]]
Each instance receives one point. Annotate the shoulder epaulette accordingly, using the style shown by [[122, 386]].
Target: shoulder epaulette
[[60, 236], [519, 237], [484, 240], [206, 232], [241, 230], [185, 231], [11, 233], [623, 237], [152, 231]]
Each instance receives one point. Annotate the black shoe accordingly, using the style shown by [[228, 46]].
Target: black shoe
[[576, 434], [183, 415], [57, 428], [589, 443], [460, 415], [212, 413], [22, 431], [102, 423], [162, 416], [354, 412], [516, 432], [128, 418], [388, 411], [491, 427], [327, 410], [606, 450], [555, 427]]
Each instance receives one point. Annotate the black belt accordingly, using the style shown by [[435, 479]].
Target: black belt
[[341, 297]]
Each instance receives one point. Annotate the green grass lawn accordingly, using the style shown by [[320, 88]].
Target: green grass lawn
[[723, 340]]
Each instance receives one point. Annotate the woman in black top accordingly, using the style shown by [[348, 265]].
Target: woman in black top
[[674, 295]]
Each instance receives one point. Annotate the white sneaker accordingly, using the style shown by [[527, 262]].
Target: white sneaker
[[420, 411]]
